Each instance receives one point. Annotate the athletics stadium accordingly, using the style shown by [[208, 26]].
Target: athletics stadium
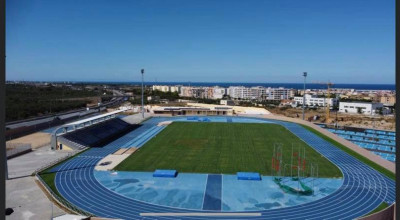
[[212, 167]]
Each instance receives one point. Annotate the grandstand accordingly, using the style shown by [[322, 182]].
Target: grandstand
[[100, 134], [382, 143], [92, 134]]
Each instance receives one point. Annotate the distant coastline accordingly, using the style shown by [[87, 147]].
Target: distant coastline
[[227, 84]]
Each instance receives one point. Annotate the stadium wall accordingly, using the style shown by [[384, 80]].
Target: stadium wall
[[386, 214]]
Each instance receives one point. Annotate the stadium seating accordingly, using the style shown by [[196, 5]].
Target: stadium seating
[[100, 134], [382, 143]]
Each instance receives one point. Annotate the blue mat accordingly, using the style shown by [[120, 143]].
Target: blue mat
[[165, 173], [248, 176], [204, 119]]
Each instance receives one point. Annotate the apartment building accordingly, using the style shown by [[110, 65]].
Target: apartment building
[[167, 88], [312, 100], [278, 94], [239, 92], [217, 92], [388, 100]]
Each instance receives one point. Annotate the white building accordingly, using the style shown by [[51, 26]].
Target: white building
[[278, 94], [246, 92], [218, 92], [175, 89], [167, 88], [367, 108], [257, 92], [312, 100], [195, 92], [239, 92], [186, 91]]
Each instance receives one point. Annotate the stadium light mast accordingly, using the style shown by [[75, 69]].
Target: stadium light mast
[[142, 71], [304, 93]]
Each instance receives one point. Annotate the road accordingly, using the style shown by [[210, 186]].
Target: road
[[80, 112]]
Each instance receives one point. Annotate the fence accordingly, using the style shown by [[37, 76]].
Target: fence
[[54, 162], [58, 199], [61, 201]]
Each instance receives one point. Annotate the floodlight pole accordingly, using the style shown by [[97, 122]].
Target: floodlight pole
[[337, 109], [142, 71], [304, 93]]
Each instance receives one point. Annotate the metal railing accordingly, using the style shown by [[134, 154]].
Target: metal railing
[[62, 201], [54, 162], [70, 143]]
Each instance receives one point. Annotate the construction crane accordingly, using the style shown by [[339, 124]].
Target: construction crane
[[328, 94]]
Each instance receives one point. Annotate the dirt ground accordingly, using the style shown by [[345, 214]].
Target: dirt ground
[[352, 120], [38, 139]]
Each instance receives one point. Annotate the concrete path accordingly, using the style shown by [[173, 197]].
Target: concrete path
[[26, 164], [22, 192], [28, 201], [136, 118]]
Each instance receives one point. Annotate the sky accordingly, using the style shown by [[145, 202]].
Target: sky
[[269, 41]]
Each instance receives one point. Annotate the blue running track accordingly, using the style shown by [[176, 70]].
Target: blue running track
[[362, 191], [212, 197]]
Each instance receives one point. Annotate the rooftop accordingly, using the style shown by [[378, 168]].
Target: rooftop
[[94, 118]]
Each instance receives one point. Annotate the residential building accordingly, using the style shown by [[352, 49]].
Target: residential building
[[217, 92], [193, 111], [278, 94], [195, 92], [257, 92], [167, 88], [388, 100], [312, 100], [239, 92], [186, 91], [367, 108]]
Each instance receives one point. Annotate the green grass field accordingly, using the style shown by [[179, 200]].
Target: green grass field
[[220, 148]]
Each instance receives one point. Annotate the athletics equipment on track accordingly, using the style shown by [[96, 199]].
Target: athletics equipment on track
[[248, 176], [165, 173]]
